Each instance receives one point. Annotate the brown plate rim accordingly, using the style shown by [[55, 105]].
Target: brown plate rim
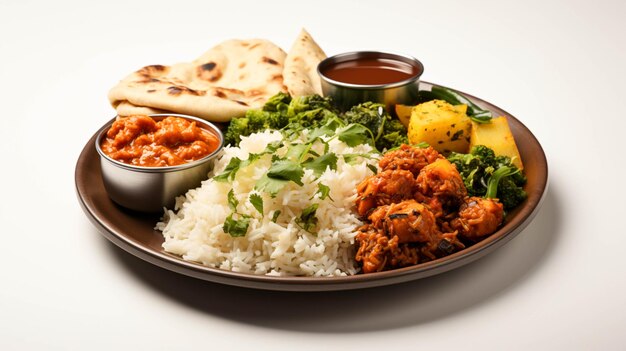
[[126, 241]]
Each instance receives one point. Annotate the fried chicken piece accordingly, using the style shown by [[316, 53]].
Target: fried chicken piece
[[408, 220], [409, 158], [478, 217], [377, 252], [384, 188], [442, 180]]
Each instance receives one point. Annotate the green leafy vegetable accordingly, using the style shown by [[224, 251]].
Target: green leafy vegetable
[[319, 115], [307, 219], [387, 132], [257, 201]]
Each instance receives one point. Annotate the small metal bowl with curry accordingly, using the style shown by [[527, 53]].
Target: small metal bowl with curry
[[149, 160], [355, 77]]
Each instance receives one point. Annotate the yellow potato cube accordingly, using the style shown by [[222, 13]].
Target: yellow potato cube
[[404, 114], [498, 137], [443, 126]]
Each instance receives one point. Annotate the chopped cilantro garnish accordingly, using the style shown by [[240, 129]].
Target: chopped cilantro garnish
[[257, 201], [275, 216], [319, 164], [324, 191], [232, 201], [307, 219], [236, 227]]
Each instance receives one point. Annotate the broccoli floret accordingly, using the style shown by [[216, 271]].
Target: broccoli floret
[[367, 114], [253, 121], [308, 103], [518, 178], [395, 133], [236, 128], [510, 194], [310, 111], [488, 175], [473, 172], [277, 103], [485, 154]]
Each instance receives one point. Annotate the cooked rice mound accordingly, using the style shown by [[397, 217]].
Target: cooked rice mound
[[194, 229]]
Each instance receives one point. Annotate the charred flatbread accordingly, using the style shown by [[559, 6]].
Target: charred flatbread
[[223, 83]]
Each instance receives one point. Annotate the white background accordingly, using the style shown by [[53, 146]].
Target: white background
[[560, 285]]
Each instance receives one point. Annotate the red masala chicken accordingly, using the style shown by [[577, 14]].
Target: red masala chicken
[[417, 210], [409, 158], [384, 188], [478, 217]]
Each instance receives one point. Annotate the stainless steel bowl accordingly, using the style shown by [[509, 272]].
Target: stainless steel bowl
[[345, 95], [149, 189]]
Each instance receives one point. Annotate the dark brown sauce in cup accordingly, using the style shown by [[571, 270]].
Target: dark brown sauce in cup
[[355, 77], [371, 71]]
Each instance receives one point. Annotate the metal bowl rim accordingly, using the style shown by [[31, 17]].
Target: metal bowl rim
[[348, 56]]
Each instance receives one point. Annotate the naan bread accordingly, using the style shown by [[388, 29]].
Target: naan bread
[[300, 73], [223, 83], [125, 108]]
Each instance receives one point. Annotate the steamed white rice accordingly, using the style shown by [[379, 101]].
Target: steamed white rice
[[194, 229]]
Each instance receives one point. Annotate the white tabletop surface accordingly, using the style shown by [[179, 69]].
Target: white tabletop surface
[[559, 66]]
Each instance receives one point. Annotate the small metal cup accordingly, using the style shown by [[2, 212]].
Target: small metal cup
[[150, 189], [346, 95]]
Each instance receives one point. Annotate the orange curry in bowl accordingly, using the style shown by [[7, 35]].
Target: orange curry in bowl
[[144, 141]]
